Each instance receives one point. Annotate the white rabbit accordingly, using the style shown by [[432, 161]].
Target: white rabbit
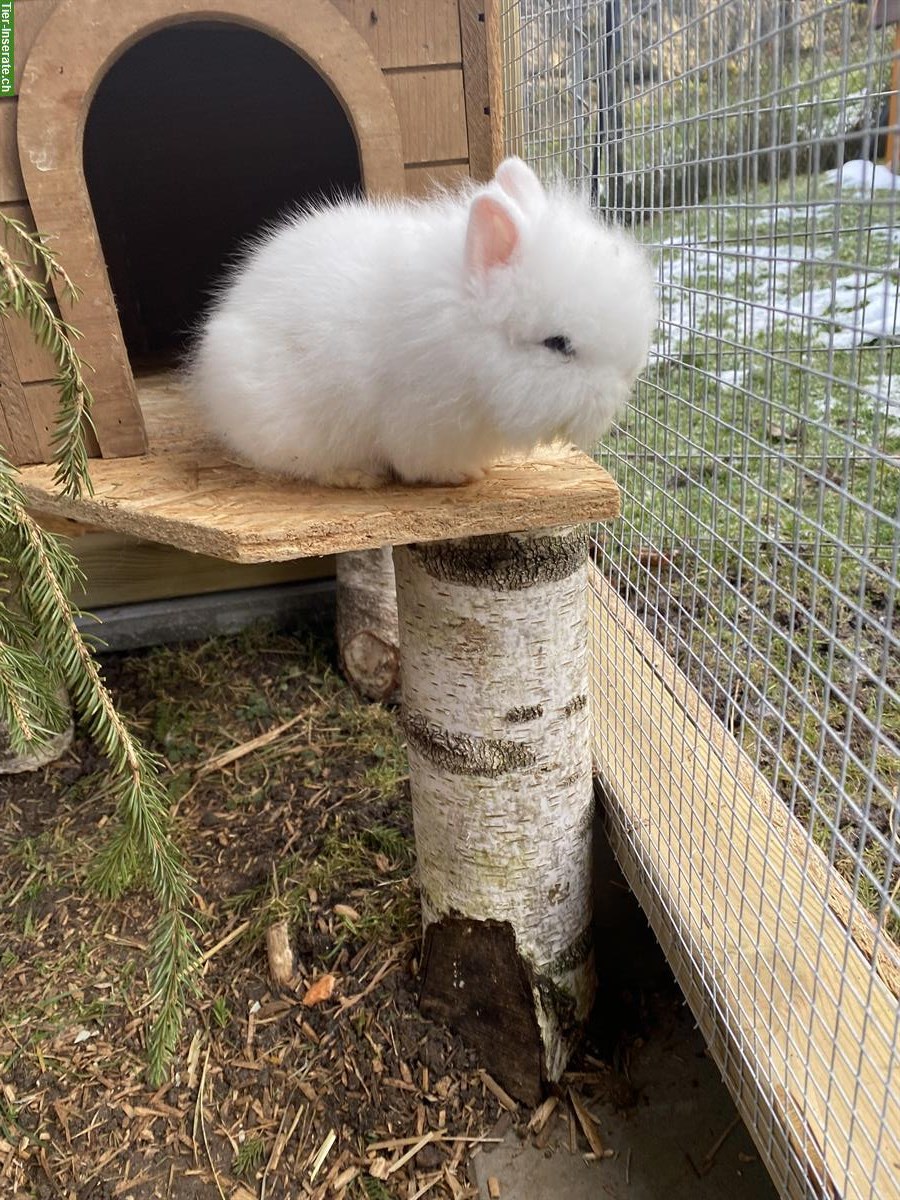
[[423, 340]]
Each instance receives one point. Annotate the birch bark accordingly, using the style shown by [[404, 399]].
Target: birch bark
[[367, 622], [494, 671]]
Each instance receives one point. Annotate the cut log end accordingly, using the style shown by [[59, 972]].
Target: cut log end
[[372, 665], [12, 763]]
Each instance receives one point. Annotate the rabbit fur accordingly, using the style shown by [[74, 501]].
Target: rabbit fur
[[422, 340]]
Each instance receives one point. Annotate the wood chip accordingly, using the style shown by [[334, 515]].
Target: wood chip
[[493, 1187], [346, 911], [379, 1168], [321, 1154], [320, 991], [542, 1114], [280, 954], [494, 1087], [588, 1126]]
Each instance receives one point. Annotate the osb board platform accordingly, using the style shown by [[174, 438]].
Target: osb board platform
[[187, 493]]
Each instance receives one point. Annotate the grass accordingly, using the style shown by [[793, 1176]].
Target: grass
[[760, 466]]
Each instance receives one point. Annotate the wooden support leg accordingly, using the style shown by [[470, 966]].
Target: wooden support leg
[[494, 673], [366, 605]]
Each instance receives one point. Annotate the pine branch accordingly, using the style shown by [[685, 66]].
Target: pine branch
[[28, 298]]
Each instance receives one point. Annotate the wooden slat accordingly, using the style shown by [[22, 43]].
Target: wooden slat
[[480, 26], [730, 881], [20, 439], [12, 185], [421, 180], [432, 112], [407, 33], [33, 362], [124, 570]]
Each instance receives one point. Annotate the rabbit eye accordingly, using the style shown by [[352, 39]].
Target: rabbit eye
[[560, 345]]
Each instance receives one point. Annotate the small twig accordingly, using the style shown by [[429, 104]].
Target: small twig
[[349, 1001], [411, 1153], [227, 757], [225, 941], [397, 1143], [199, 1113], [717, 1145]]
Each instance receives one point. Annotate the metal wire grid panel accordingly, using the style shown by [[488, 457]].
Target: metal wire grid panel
[[746, 637]]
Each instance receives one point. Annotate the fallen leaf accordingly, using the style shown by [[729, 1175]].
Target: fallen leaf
[[321, 990]]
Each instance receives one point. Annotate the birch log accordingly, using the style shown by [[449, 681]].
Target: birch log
[[15, 763], [367, 622], [493, 640]]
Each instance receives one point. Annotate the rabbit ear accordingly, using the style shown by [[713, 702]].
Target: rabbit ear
[[519, 181], [493, 233]]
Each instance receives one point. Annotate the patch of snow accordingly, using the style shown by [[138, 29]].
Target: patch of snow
[[865, 175]]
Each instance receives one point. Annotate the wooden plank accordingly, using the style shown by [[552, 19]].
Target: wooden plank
[[480, 28], [21, 442], [12, 185], [201, 502], [407, 33], [33, 362], [432, 111], [124, 570], [892, 149], [422, 180], [782, 967]]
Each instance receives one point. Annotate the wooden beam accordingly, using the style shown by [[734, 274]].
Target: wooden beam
[[892, 155], [479, 22], [793, 987]]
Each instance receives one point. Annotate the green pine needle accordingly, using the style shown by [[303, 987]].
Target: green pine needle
[[27, 297], [42, 648]]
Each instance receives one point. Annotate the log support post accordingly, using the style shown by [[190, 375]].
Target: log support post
[[366, 605], [494, 677]]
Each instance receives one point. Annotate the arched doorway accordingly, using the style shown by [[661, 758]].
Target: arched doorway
[[76, 49], [197, 137]]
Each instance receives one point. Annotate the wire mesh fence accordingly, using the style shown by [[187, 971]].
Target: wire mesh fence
[[746, 642]]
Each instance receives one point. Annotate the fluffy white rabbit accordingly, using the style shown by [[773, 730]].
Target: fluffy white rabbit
[[423, 340]]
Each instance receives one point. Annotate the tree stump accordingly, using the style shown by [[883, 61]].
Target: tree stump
[[367, 623], [12, 763], [494, 669]]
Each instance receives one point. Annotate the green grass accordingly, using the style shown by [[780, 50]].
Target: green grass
[[757, 459]]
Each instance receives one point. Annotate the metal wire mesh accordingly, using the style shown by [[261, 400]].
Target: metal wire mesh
[[746, 647]]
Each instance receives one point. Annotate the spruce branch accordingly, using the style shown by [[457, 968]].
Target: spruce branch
[[27, 297], [144, 839], [42, 647]]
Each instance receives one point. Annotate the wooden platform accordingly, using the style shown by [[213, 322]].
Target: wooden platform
[[187, 493]]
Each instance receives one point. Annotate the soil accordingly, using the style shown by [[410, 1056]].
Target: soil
[[355, 1095]]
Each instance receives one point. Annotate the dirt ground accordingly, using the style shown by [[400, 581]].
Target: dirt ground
[[355, 1096]]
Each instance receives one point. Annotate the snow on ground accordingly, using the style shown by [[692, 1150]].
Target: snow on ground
[[793, 274], [865, 175]]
